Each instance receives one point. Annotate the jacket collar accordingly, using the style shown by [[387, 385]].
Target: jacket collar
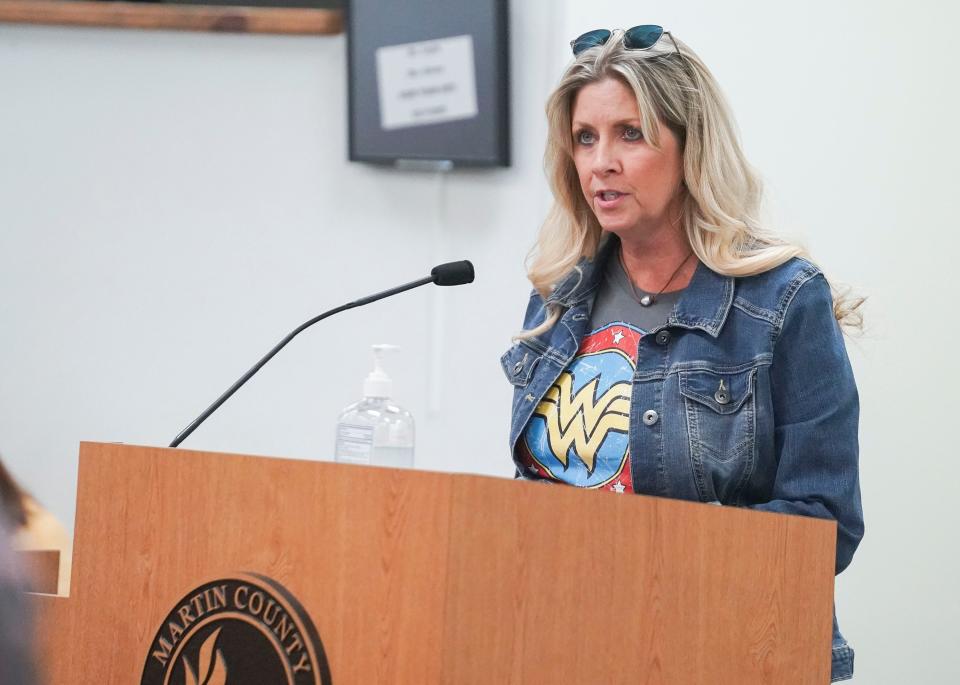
[[704, 305]]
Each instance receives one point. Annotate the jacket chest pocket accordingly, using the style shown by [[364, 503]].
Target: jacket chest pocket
[[720, 413], [519, 363]]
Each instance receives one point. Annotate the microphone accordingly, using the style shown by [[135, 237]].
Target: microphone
[[451, 273]]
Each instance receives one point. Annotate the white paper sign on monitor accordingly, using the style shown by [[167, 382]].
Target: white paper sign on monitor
[[427, 82]]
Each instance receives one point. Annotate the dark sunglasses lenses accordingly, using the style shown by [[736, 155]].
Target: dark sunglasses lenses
[[590, 39], [637, 38], [642, 37]]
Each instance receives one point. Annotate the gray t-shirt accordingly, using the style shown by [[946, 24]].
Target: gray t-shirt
[[616, 302]]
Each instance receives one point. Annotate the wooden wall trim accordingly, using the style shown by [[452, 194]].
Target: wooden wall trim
[[190, 18]]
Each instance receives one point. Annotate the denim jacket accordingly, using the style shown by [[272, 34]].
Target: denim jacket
[[780, 435]]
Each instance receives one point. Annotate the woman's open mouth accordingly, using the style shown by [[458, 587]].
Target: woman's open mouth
[[608, 199]]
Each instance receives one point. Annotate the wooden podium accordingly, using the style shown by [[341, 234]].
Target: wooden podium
[[415, 577]]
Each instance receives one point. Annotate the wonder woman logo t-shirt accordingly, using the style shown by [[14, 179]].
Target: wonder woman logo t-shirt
[[579, 432]]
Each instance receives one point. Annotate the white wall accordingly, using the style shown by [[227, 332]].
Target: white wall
[[172, 204]]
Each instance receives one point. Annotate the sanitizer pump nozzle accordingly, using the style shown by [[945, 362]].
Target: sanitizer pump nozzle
[[378, 383]]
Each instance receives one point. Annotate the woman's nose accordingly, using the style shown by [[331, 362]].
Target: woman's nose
[[606, 161]]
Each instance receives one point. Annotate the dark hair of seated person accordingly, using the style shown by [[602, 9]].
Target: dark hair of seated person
[[12, 500]]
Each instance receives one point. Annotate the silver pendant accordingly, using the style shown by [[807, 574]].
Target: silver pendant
[[646, 300]]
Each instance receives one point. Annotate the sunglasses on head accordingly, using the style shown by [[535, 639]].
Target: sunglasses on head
[[641, 37]]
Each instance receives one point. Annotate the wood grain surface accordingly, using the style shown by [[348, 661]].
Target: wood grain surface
[[190, 18], [417, 577]]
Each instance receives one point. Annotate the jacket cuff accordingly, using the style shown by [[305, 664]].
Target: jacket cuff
[[841, 667]]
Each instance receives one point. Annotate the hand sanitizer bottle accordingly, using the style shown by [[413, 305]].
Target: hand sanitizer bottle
[[375, 430]]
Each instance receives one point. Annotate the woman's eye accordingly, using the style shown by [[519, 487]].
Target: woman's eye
[[631, 133], [585, 138]]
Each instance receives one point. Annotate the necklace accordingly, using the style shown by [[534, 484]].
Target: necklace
[[647, 299]]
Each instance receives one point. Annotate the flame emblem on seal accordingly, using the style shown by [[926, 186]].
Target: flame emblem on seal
[[212, 668]]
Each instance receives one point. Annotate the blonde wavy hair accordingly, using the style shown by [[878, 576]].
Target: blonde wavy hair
[[721, 191]]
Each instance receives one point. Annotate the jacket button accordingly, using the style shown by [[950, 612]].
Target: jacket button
[[650, 417], [721, 395], [663, 337], [517, 368]]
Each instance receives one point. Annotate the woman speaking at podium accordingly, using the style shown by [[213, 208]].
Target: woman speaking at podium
[[672, 345]]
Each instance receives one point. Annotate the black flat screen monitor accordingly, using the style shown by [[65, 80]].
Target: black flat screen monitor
[[428, 81]]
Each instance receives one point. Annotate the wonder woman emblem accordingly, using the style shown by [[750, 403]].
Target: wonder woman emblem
[[579, 431]]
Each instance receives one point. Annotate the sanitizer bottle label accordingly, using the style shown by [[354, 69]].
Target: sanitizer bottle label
[[354, 443]]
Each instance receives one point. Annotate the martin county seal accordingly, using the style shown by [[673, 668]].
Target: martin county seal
[[246, 630]]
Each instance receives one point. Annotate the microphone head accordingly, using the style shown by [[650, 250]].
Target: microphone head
[[453, 273]]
